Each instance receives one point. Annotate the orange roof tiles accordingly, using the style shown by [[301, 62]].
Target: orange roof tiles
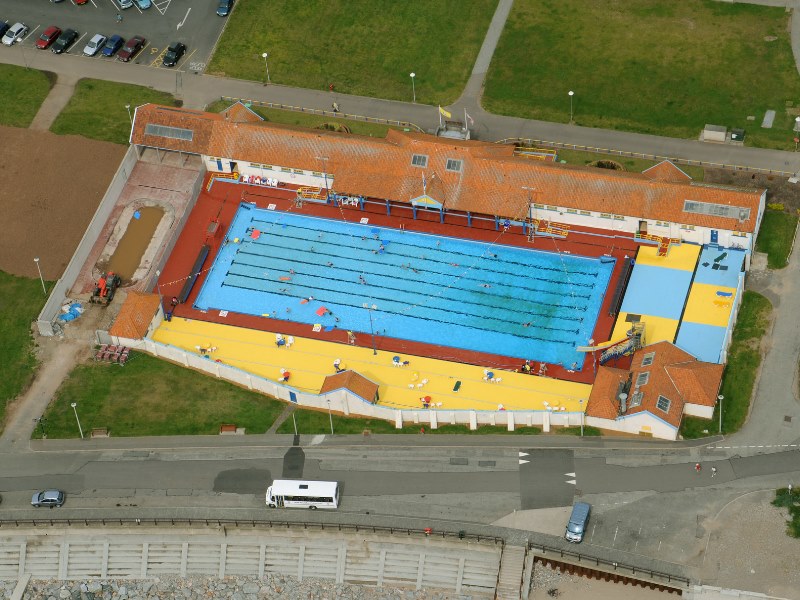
[[673, 374], [135, 315], [666, 171], [491, 180], [240, 113], [358, 384]]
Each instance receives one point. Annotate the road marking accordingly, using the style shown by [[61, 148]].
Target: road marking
[[184, 18], [523, 462], [754, 446], [165, 4], [570, 474], [521, 454], [571, 482]]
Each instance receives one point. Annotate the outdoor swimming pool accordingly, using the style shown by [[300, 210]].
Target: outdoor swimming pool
[[426, 288]]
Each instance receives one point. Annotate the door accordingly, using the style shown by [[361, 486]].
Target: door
[[714, 236], [643, 227]]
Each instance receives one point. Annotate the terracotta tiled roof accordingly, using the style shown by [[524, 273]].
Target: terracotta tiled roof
[[240, 113], [673, 374], [491, 179], [666, 170], [135, 315], [350, 380]]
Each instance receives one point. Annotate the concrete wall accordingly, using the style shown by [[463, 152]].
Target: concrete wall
[[58, 294], [637, 424]]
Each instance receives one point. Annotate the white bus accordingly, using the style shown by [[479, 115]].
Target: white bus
[[285, 493]]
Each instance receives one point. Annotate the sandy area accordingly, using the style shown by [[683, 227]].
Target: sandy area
[[548, 583]]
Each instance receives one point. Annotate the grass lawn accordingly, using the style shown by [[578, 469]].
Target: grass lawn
[[649, 66], [290, 117], [21, 299], [632, 165], [22, 92], [744, 358], [363, 47], [776, 237], [587, 431], [154, 397], [313, 422], [790, 501], [97, 109]]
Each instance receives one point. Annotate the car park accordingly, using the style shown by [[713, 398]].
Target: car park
[[95, 44], [3, 28], [48, 36], [174, 53], [224, 8], [15, 33], [112, 44], [143, 4], [131, 48], [49, 498], [64, 41]]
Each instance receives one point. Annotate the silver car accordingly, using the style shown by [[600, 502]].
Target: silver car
[[125, 3], [95, 45], [49, 498], [15, 34]]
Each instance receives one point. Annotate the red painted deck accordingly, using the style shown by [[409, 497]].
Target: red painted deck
[[223, 201]]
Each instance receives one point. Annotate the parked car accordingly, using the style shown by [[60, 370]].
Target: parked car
[[64, 41], [143, 4], [15, 33], [113, 44], [81, 1], [48, 36], [49, 498], [125, 3], [174, 53], [95, 44], [225, 7], [131, 48], [3, 28], [578, 522]]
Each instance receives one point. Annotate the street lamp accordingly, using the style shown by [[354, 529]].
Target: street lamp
[[130, 116], [75, 408], [266, 65], [414, 89], [44, 289], [330, 415], [580, 402], [720, 398], [371, 328], [571, 94]]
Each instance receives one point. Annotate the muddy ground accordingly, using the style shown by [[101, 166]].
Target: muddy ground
[[779, 190]]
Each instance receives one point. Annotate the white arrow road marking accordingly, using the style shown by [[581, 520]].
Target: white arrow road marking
[[184, 18], [570, 474], [523, 462], [571, 481]]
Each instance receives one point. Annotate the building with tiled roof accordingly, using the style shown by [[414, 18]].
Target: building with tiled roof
[[460, 178], [663, 384], [353, 382]]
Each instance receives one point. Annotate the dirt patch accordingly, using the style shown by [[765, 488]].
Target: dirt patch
[[779, 190], [50, 186]]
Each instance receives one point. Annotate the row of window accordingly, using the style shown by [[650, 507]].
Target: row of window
[[453, 165]]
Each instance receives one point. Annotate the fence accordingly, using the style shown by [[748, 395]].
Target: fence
[[52, 308], [653, 157], [326, 113]]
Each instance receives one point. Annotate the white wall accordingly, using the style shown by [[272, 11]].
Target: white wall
[[698, 410], [642, 422]]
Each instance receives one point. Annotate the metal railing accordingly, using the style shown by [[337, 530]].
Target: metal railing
[[614, 566], [653, 157], [326, 113], [252, 523]]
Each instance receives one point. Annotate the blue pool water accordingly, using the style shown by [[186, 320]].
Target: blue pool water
[[426, 288]]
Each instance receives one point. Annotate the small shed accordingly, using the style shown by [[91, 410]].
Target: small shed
[[352, 382], [715, 133]]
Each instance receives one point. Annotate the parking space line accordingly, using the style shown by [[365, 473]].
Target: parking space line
[[186, 59], [158, 60], [78, 41], [30, 33]]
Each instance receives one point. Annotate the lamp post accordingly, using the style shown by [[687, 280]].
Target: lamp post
[[580, 403], [266, 65], [571, 94], [75, 408], [130, 116], [796, 132], [330, 415], [413, 87], [371, 328], [38, 268], [720, 398]]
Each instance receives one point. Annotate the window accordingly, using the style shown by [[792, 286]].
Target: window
[[642, 379], [454, 165], [687, 227], [586, 213], [635, 399], [317, 174], [619, 218], [285, 170], [552, 208], [739, 234], [419, 160], [663, 404], [605, 215], [538, 206], [299, 171], [572, 211], [648, 358], [175, 133], [716, 210]]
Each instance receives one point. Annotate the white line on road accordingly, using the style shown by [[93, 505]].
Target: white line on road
[[523, 462], [184, 18]]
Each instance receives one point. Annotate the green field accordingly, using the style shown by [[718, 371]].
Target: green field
[[290, 117], [97, 109], [21, 300], [22, 91], [776, 237], [649, 66], [739, 378], [149, 396], [363, 47]]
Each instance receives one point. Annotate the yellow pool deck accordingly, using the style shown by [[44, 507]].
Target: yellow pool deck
[[706, 307], [309, 361], [682, 257]]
